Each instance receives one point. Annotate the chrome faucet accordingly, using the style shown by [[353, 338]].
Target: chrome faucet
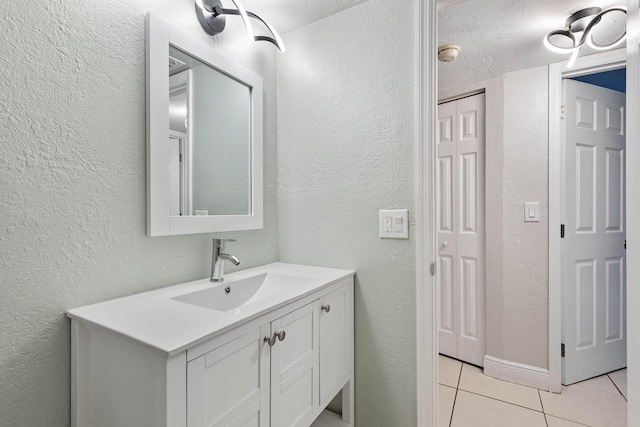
[[218, 257]]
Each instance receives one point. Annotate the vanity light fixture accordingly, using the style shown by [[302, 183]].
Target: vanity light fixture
[[578, 32], [211, 15]]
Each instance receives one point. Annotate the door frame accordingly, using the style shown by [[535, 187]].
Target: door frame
[[426, 82], [557, 72], [426, 76], [633, 203]]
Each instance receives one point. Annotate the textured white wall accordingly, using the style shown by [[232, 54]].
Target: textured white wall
[[72, 180], [526, 245], [346, 94], [517, 252]]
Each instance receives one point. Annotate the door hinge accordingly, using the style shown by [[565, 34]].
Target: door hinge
[[433, 268], [562, 231], [180, 157], [625, 244], [563, 112], [561, 350]]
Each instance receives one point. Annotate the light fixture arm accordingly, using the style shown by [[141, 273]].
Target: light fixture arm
[[276, 40], [211, 15]]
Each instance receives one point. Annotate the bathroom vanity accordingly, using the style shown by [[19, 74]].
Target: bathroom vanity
[[269, 346]]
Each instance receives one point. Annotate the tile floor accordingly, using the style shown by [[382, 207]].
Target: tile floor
[[468, 398]]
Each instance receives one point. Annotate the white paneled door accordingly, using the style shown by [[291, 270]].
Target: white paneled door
[[593, 248], [460, 267]]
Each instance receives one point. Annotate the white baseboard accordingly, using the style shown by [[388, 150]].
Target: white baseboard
[[514, 372]]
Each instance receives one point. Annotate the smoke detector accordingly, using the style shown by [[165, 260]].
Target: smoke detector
[[448, 52]]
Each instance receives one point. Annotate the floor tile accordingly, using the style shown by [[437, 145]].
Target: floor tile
[[447, 396], [479, 411], [594, 402], [449, 371], [559, 422], [620, 379], [474, 380]]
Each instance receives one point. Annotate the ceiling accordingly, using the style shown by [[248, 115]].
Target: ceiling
[[499, 36], [288, 15]]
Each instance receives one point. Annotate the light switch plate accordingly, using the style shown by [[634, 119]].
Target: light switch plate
[[394, 224], [532, 212]]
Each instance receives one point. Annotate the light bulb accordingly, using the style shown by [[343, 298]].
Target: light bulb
[[573, 58]]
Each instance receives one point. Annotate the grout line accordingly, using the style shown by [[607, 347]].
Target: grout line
[[524, 407], [617, 388], [556, 416], [567, 419], [457, 388], [455, 397], [503, 401], [541, 404], [499, 400]]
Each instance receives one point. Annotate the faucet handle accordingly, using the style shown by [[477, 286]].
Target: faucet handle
[[223, 240], [220, 242]]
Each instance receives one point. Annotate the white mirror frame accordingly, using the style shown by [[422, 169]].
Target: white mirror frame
[[159, 223]]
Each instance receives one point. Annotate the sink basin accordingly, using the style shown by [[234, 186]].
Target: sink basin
[[233, 294]]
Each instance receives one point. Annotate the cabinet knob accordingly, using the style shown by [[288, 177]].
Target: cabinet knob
[[326, 308], [281, 335], [270, 340]]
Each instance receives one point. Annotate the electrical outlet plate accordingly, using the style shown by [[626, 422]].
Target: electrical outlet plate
[[394, 224]]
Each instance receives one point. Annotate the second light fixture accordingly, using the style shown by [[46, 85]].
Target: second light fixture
[[579, 31]]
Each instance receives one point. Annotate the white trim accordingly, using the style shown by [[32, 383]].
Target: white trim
[[426, 83], [633, 202], [555, 210], [462, 96], [517, 373], [558, 71]]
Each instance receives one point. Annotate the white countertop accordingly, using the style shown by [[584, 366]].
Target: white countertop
[[155, 319]]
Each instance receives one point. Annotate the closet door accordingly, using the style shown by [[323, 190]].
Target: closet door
[[460, 267]]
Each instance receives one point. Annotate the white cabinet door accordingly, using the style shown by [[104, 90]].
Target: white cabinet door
[[230, 385], [335, 356], [460, 267], [593, 285], [294, 368]]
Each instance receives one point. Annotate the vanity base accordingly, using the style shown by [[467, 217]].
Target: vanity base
[[281, 368]]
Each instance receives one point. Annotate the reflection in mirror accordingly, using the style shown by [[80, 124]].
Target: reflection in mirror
[[204, 137], [179, 101], [209, 138]]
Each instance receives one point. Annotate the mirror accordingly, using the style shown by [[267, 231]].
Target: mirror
[[204, 137]]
